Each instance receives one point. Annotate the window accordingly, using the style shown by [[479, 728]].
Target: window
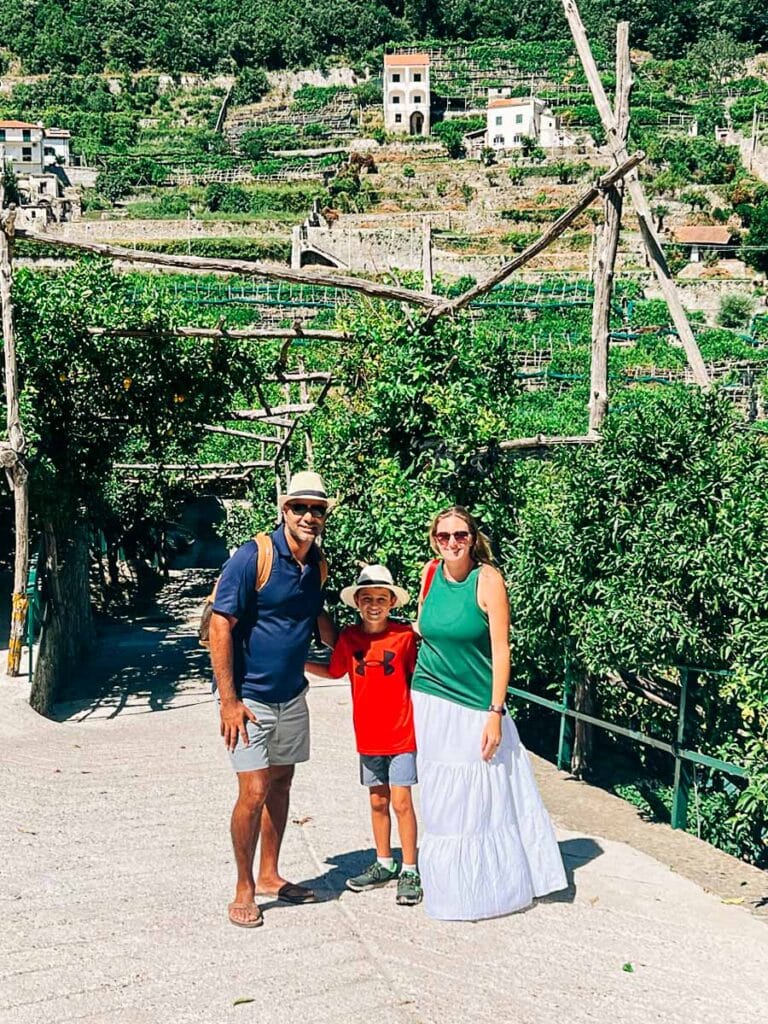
[[417, 76], [2, 134], [518, 118], [396, 76], [499, 121], [498, 140], [395, 99], [26, 135], [417, 98], [26, 154], [398, 118]]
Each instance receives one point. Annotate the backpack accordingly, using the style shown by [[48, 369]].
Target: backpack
[[265, 556]]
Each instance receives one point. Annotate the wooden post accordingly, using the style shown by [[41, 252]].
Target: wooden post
[[426, 255], [16, 471], [304, 400], [637, 195], [608, 243]]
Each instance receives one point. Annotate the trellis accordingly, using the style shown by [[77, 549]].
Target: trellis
[[432, 307]]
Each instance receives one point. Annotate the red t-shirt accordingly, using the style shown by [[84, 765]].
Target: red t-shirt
[[380, 666]]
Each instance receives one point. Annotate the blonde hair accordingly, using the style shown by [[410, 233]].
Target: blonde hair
[[481, 546]]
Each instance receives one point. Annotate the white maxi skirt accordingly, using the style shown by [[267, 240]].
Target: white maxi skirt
[[487, 846]]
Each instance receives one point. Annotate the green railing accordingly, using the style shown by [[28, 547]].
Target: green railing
[[36, 607], [685, 759]]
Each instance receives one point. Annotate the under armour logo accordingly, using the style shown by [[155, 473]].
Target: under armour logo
[[362, 664]]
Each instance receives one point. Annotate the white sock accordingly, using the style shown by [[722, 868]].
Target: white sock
[[387, 862], [411, 868]]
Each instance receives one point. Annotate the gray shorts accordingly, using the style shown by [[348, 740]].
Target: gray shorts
[[388, 769], [281, 735]]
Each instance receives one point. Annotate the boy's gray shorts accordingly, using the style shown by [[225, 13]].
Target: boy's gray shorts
[[388, 769], [281, 735]]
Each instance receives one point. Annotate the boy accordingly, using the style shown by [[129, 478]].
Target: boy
[[379, 656]]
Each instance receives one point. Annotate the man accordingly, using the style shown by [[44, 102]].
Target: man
[[259, 640]]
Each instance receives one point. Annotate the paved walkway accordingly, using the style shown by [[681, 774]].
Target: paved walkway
[[115, 871]]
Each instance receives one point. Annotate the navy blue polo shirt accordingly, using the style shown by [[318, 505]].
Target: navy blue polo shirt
[[274, 625]]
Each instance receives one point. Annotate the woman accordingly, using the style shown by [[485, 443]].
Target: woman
[[488, 846]]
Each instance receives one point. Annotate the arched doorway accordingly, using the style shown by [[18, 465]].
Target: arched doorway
[[417, 122]]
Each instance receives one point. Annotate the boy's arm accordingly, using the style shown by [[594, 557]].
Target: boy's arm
[[315, 669], [326, 629], [338, 664]]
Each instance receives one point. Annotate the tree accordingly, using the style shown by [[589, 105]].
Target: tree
[[719, 58], [755, 252], [451, 137]]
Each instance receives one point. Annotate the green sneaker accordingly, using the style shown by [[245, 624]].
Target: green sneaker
[[373, 877], [409, 891]]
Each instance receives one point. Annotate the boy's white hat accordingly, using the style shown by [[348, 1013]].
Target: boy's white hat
[[307, 486], [375, 576]]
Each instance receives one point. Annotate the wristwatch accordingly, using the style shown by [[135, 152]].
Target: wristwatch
[[500, 709]]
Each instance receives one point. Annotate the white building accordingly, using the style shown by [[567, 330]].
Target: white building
[[511, 119], [56, 146], [30, 148], [21, 144], [406, 93]]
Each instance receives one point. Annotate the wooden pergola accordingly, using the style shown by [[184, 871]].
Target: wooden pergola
[[283, 419]]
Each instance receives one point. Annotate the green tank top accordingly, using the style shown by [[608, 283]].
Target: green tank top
[[454, 659]]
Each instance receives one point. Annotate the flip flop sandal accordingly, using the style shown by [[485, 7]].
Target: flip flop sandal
[[296, 894], [256, 922]]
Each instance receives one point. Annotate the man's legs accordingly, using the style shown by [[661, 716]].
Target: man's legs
[[274, 817], [246, 819]]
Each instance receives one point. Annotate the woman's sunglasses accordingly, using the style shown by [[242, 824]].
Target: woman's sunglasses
[[443, 538]]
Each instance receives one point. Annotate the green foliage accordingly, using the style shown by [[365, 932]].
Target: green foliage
[[261, 198], [452, 137], [695, 159], [275, 250], [309, 98], [756, 251], [122, 176], [408, 171], [736, 310], [251, 85]]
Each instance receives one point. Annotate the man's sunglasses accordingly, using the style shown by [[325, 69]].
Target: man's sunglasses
[[443, 538], [300, 509]]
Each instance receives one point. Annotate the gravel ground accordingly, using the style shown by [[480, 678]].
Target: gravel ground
[[115, 872]]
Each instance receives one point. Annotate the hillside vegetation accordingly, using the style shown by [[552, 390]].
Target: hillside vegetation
[[179, 35]]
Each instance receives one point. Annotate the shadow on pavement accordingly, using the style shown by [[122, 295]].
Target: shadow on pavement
[[575, 853]]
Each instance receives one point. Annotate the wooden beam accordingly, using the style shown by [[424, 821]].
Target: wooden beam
[[243, 268], [542, 441], [637, 195], [188, 467], [262, 333], [15, 470], [554, 231], [263, 414], [262, 438], [607, 248]]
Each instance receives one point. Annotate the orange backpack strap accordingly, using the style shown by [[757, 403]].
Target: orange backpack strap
[[323, 567], [265, 557]]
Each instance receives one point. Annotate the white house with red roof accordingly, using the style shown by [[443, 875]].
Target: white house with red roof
[[30, 147], [511, 119], [407, 93]]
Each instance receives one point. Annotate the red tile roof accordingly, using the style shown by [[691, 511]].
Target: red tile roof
[[693, 234], [510, 101], [18, 124], [403, 60]]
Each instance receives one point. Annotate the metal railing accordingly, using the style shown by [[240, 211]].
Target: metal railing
[[684, 758], [36, 598]]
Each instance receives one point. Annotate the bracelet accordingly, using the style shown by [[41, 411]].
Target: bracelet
[[500, 709]]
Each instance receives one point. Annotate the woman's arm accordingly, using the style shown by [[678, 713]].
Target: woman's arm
[[492, 598]]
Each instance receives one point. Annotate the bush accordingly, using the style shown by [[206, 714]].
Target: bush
[[736, 310], [251, 85], [408, 171]]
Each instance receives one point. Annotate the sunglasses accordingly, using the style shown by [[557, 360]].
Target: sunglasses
[[300, 509], [460, 536]]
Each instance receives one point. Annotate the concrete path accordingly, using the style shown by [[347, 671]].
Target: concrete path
[[115, 871]]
